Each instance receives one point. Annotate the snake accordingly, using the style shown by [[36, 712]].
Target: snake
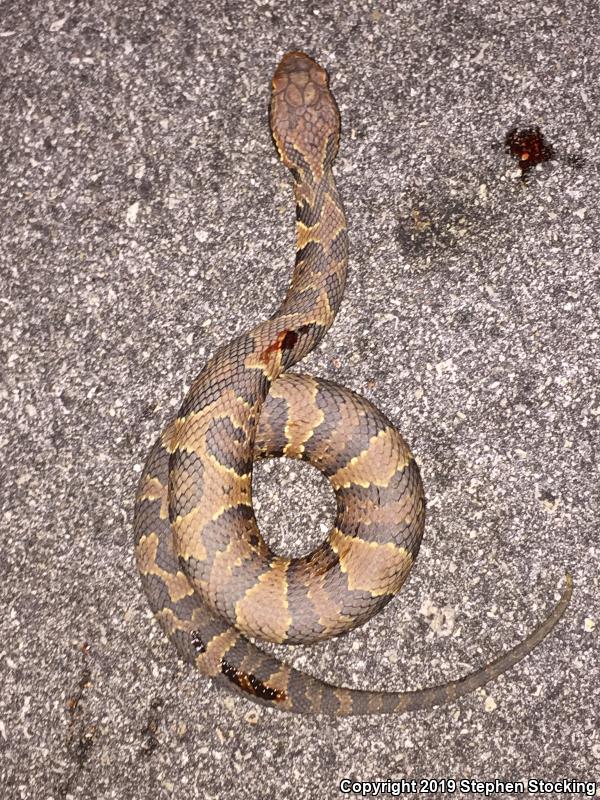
[[211, 579]]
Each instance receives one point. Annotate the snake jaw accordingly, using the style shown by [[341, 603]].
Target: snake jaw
[[305, 121]]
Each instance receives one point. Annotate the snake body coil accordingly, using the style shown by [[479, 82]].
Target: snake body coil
[[210, 577]]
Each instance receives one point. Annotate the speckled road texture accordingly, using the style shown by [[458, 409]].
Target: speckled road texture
[[145, 220]]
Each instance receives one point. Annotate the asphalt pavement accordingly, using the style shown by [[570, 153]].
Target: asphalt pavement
[[145, 220]]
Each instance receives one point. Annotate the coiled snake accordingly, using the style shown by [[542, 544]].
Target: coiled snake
[[210, 577]]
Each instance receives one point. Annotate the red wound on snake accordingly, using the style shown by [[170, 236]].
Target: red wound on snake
[[251, 684], [243, 680], [289, 340], [285, 341]]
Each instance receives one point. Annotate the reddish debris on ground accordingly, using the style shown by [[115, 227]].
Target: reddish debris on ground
[[529, 146]]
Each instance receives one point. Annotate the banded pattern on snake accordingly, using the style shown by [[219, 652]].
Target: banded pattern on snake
[[210, 577]]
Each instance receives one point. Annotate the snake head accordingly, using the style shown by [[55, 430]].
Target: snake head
[[305, 121]]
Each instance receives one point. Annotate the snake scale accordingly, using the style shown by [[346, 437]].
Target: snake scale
[[211, 579]]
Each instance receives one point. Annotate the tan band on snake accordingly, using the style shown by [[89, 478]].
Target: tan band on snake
[[209, 575]]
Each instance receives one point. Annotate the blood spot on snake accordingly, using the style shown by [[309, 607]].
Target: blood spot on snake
[[251, 684]]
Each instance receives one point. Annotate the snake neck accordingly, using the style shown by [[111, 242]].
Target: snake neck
[[319, 275]]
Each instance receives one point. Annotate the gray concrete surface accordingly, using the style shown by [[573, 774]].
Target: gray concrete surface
[[145, 219]]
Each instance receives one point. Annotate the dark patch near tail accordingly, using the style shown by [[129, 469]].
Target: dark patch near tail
[[244, 681], [250, 684]]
